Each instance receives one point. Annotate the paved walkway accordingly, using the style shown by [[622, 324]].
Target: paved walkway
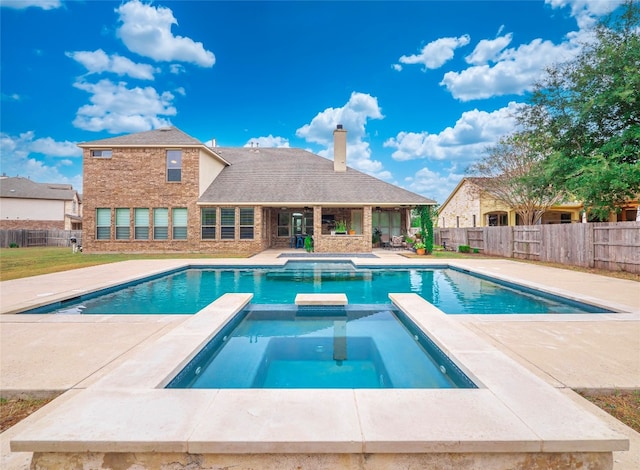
[[53, 353]]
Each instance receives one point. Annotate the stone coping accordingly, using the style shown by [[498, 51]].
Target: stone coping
[[127, 410]]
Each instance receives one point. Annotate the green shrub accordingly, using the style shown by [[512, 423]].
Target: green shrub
[[475, 250], [464, 249], [13, 245]]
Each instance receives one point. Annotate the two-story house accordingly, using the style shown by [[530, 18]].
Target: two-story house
[[164, 190]]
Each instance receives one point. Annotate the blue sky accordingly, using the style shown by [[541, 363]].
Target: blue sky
[[422, 87]]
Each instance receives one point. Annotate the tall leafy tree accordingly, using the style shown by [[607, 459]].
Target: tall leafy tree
[[590, 109], [512, 172]]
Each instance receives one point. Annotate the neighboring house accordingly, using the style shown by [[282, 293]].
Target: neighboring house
[[469, 205], [163, 190], [25, 204]]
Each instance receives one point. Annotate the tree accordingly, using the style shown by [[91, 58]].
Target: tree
[[590, 109], [512, 172]]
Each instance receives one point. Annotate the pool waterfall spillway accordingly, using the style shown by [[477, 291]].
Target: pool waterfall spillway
[[512, 420]]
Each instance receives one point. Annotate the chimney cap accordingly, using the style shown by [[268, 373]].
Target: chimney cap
[[339, 126]]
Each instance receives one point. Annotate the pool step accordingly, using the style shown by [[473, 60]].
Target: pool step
[[321, 299]]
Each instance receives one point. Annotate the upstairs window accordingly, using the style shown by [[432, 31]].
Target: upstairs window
[[179, 223], [103, 224], [228, 223], [161, 224], [208, 223], [123, 224], [246, 223], [103, 153], [174, 165]]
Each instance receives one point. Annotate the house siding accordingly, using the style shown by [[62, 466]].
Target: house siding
[[461, 208]]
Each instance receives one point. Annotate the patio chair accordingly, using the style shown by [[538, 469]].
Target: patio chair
[[396, 242], [384, 241]]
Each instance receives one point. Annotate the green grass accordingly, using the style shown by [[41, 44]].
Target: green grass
[[16, 263]]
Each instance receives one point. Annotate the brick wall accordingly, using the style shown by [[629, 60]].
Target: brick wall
[[32, 224]]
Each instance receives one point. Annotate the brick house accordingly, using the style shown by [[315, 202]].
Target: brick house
[[25, 204], [163, 190], [470, 205]]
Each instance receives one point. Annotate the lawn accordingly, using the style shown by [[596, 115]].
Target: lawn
[[16, 263]]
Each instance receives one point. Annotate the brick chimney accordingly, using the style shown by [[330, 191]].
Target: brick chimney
[[339, 149]]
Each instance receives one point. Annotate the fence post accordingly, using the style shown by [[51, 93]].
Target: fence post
[[590, 245]]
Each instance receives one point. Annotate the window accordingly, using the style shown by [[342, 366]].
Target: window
[[179, 222], [141, 224], [160, 224], [101, 153], [283, 224], [208, 223], [246, 223], [123, 224], [498, 219], [103, 224], [565, 218], [174, 165], [227, 223]]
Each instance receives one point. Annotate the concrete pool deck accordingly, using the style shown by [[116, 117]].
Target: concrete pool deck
[[43, 353]]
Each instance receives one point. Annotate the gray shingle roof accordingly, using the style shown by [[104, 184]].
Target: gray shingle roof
[[294, 176], [24, 188], [166, 136]]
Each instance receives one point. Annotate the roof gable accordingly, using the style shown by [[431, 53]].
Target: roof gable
[[166, 136]]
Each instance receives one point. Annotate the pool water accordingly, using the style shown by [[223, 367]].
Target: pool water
[[188, 291], [334, 347]]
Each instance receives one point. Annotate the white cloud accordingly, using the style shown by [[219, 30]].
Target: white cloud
[[498, 71], [268, 141], [586, 12], [17, 158], [118, 109], [436, 53], [22, 4], [11, 97], [514, 72], [432, 184], [146, 30], [487, 49], [353, 116], [98, 62], [463, 143]]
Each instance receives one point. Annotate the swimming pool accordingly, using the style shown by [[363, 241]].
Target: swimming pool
[[321, 347], [188, 290]]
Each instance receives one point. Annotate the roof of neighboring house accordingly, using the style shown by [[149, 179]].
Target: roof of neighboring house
[[295, 176], [24, 188]]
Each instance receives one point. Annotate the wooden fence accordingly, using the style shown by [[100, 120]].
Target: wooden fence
[[26, 238], [613, 246]]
